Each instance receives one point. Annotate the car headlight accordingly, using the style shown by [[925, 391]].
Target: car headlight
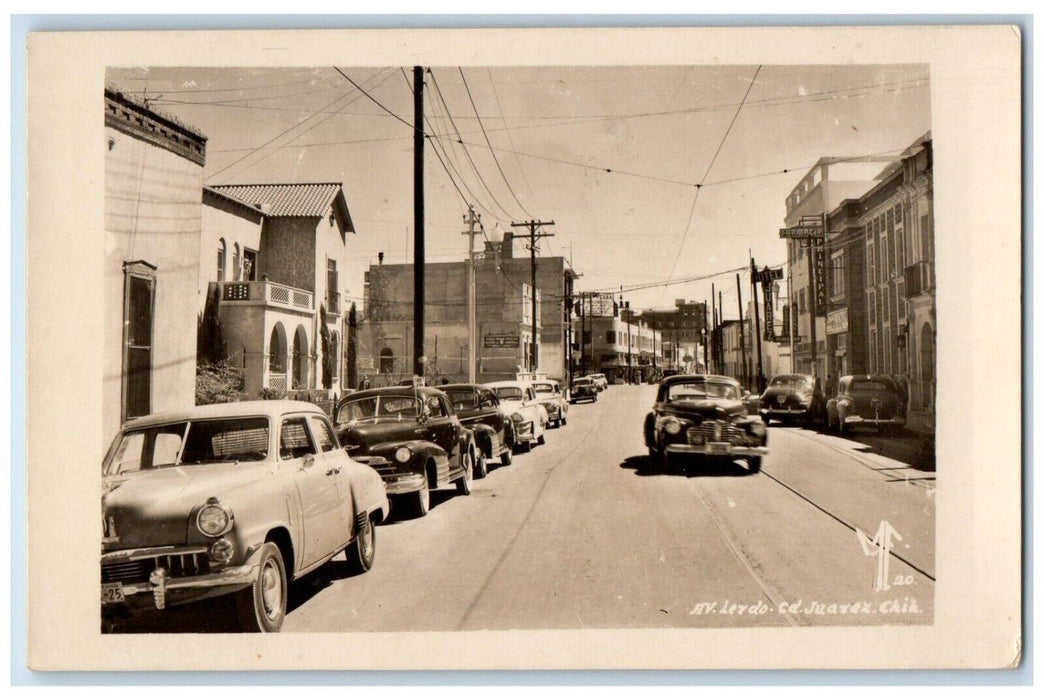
[[222, 551], [402, 455], [672, 426], [844, 403], [214, 519], [517, 417], [758, 429]]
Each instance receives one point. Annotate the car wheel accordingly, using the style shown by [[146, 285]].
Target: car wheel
[[464, 482], [505, 458], [261, 607], [481, 468], [422, 502], [841, 429], [523, 447], [541, 440], [361, 551], [562, 421], [754, 464]]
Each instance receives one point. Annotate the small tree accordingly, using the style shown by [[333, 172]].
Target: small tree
[[324, 341], [351, 347], [219, 383], [210, 340]]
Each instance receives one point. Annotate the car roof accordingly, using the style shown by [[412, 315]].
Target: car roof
[[418, 391], [791, 374], [508, 383], [684, 378], [234, 409], [463, 387]]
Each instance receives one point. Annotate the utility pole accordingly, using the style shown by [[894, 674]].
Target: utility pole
[[756, 331], [533, 236], [713, 362], [812, 295], [583, 362], [706, 337], [743, 342], [721, 334], [418, 221], [471, 219]]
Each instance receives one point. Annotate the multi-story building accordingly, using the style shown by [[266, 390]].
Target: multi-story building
[[739, 360], [620, 350], [504, 319], [683, 329], [274, 256], [828, 183], [153, 188]]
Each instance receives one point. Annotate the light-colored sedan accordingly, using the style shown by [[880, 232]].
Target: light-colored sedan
[[231, 499], [549, 394], [519, 402]]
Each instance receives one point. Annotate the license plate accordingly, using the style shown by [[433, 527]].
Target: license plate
[[112, 592], [719, 448]]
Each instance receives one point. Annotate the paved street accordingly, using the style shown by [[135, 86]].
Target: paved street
[[583, 533]]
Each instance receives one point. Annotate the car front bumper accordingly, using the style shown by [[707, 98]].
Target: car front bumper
[[716, 449], [165, 588], [857, 421], [774, 412]]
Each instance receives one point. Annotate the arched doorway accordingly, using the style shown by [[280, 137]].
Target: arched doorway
[[277, 358], [300, 358], [335, 359], [927, 366], [387, 361]]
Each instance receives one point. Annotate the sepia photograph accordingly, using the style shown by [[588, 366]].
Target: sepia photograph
[[640, 347]]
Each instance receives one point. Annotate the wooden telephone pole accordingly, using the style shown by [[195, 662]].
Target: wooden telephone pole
[[418, 221], [471, 219], [533, 236]]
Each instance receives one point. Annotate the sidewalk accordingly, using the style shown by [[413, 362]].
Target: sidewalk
[[914, 448]]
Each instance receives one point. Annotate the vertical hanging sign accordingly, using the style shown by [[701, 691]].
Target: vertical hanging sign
[[770, 321], [821, 287]]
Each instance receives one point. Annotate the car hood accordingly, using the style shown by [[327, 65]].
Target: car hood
[[151, 508], [510, 407], [783, 396], [703, 409]]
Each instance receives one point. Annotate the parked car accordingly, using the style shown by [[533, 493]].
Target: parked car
[[583, 389], [412, 437], [703, 415], [529, 418], [479, 409], [601, 383], [549, 394], [750, 402], [791, 398], [231, 499], [866, 401]]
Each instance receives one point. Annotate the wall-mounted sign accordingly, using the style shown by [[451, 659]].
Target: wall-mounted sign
[[500, 340], [819, 270], [804, 233], [837, 322], [770, 321]]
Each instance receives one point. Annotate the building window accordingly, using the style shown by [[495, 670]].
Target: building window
[[139, 290], [221, 252], [334, 344], [249, 265], [235, 263], [610, 337], [871, 269], [387, 361], [926, 239], [332, 300], [837, 274]]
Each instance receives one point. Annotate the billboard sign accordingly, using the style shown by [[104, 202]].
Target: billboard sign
[[500, 340]]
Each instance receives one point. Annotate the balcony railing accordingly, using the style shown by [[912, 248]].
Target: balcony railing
[[268, 293], [277, 382], [919, 278]]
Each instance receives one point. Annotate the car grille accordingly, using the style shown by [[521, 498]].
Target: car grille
[[138, 570], [718, 431]]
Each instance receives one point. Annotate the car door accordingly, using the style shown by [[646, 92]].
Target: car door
[[316, 487], [339, 463], [442, 426]]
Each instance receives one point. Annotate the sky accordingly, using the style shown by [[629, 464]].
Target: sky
[[613, 155]]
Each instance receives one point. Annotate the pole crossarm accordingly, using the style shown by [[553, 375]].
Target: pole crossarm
[[532, 225]]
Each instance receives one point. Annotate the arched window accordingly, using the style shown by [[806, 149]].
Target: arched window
[[387, 361], [277, 350], [300, 358], [235, 263], [221, 251]]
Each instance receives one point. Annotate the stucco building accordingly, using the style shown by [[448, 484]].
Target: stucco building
[[153, 191], [620, 350], [274, 253]]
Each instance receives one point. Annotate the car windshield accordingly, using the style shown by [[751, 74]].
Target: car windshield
[[543, 388], [581, 382], [375, 408], [791, 381], [463, 399], [701, 390], [509, 393], [189, 443], [870, 386]]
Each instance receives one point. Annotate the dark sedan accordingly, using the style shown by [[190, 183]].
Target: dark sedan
[[412, 437], [703, 415], [792, 398], [866, 401], [478, 408], [583, 389]]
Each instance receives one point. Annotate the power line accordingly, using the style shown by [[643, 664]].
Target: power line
[[371, 98], [492, 152], [511, 141]]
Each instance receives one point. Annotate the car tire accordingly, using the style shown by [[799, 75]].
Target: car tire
[[505, 458], [481, 467], [562, 421], [521, 447], [754, 464], [421, 502], [542, 440], [261, 607], [361, 551], [464, 482]]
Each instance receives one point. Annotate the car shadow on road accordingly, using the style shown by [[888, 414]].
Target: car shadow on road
[[643, 465], [915, 450]]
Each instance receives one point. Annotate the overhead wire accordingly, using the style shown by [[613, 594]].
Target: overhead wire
[[511, 141]]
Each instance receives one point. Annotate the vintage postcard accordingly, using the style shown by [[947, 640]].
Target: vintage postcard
[[525, 349]]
